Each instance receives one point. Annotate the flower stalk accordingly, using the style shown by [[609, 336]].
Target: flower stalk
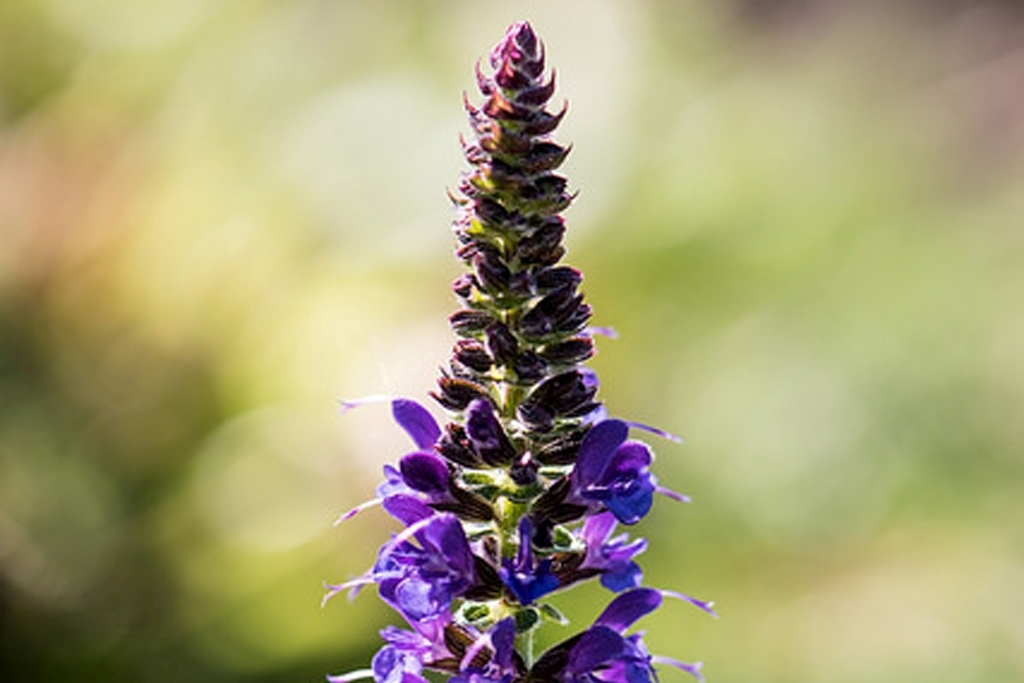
[[519, 494]]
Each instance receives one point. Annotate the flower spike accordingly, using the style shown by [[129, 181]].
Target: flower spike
[[517, 494]]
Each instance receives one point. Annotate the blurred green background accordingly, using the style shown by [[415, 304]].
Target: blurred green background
[[805, 218]]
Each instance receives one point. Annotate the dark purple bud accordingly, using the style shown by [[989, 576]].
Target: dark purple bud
[[561, 451], [568, 352], [455, 447], [575, 321], [523, 471], [489, 585], [501, 343], [498, 142], [543, 537], [563, 394], [537, 96], [550, 185], [522, 33], [491, 212], [466, 505], [542, 123], [536, 324], [486, 435], [529, 367], [559, 303], [551, 499], [498, 107], [545, 156], [569, 569], [463, 285], [491, 551], [456, 393], [417, 422], [544, 245], [556, 278], [509, 77], [472, 354], [457, 370], [493, 275], [425, 472], [467, 322], [468, 188], [536, 416], [521, 284]]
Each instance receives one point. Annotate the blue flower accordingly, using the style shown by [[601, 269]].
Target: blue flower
[[613, 472], [613, 557], [603, 653], [525, 577], [420, 581]]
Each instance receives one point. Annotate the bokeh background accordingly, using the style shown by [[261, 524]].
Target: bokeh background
[[217, 218]]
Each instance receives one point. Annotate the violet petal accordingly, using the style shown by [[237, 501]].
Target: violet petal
[[425, 472], [628, 607], [597, 449], [417, 422], [597, 645], [407, 509]]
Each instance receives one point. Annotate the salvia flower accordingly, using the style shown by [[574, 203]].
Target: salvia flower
[[516, 496]]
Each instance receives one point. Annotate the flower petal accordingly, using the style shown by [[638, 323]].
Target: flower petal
[[503, 638], [598, 645], [407, 509], [425, 472], [620, 577], [597, 448], [632, 502], [597, 529], [417, 422], [628, 607], [629, 458]]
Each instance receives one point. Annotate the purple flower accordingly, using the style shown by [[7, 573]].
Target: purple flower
[[613, 472], [603, 653], [613, 557], [500, 666], [420, 581], [425, 642]]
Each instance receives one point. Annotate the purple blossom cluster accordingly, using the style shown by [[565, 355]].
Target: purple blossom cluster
[[519, 494]]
